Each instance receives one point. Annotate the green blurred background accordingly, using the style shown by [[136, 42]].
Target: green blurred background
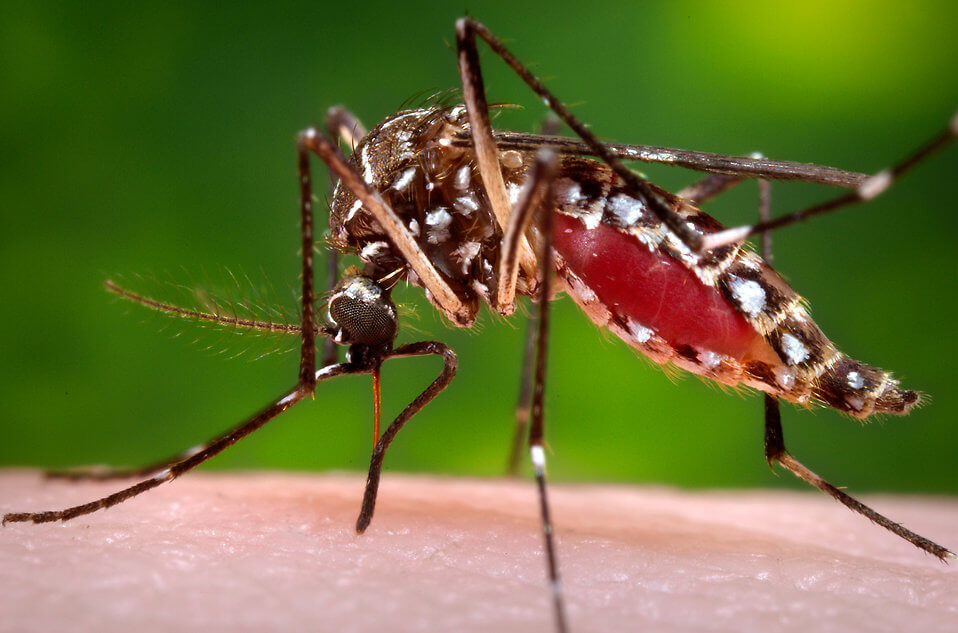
[[159, 140]]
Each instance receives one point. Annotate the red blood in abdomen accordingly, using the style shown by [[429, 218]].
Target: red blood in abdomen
[[652, 288]]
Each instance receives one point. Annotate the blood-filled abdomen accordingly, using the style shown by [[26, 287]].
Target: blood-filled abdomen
[[651, 288]]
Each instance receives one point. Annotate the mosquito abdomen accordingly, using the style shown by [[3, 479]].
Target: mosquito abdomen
[[725, 315], [861, 390], [649, 289]]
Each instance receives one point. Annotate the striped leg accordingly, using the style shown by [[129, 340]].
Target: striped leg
[[870, 188], [307, 332], [466, 31], [192, 459], [531, 201], [716, 184], [775, 451], [537, 426]]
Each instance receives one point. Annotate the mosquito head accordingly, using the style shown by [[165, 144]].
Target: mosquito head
[[361, 312]]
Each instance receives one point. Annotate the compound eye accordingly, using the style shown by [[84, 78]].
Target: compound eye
[[363, 312]]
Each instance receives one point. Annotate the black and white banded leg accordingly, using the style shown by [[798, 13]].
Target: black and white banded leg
[[306, 385], [307, 331], [537, 425], [775, 451], [466, 31], [532, 202], [870, 188]]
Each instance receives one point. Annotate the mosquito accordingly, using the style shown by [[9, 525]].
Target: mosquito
[[433, 196]]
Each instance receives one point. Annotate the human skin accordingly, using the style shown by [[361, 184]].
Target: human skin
[[278, 552]]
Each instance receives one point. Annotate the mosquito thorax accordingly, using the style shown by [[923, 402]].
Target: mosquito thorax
[[361, 312], [432, 183]]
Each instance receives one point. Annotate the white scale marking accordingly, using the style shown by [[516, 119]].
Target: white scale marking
[[466, 253], [795, 351], [538, 457], [855, 403], [512, 189], [784, 376], [367, 166], [583, 292], [593, 218], [322, 374], [855, 380], [404, 145], [372, 250], [164, 475], [404, 179], [679, 247], [709, 359], [628, 210], [481, 289], [661, 157], [463, 176], [638, 332], [748, 293], [437, 223], [569, 192], [750, 260], [290, 397], [875, 185], [652, 236], [465, 205], [353, 210], [365, 292]]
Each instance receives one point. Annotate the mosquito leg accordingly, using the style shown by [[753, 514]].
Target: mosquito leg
[[715, 184], [775, 452], [330, 347], [708, 188], [196, 457], [474, 96], [523, 402], [98, 473], [106, 473], [764, 213], [871, 188], [775, 439], [537, 426], [307, 363], [450, 364], [467, 29], [530, 202], [343, 127], [313, 140], [550, 125]]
